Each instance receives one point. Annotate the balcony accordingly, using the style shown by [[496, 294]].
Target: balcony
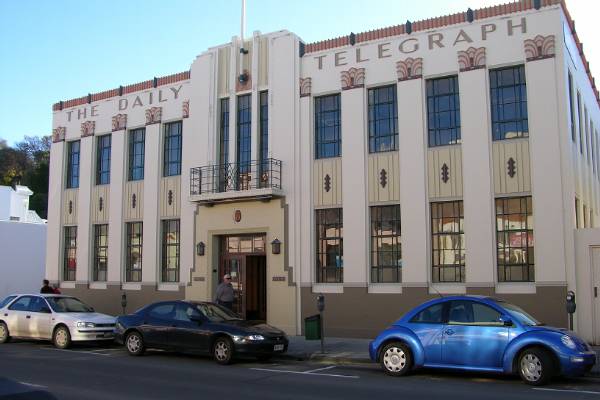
[[253, 180]]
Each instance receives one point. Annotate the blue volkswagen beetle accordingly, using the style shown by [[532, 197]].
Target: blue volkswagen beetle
[[476, 333]]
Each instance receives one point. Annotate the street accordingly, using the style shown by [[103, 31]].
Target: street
[[101, 372]]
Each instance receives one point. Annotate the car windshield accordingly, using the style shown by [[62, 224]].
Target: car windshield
[[68, 304], [7, 300], [216, 313], [520, 315]]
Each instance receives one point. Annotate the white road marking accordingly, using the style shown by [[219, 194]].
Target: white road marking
[[76, 351], [33, 385], [569, 391], [304, 373], [320, 369]]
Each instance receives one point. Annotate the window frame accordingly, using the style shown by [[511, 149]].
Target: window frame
[[243, 149], [131, 272], [376, 218], [499, 324], [499, 104], [100, 252], [319, 115], [435, 132], [166, 246], [571, 89], [103, 155], [323, 272], [172, 150], [69, 236], [444, 315], [134, 168], [376, 138], [437, 268], [223, 131], [73, 161]]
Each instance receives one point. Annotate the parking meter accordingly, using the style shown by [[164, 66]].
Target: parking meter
[[320, 303], [571, 307], [124, 302], [321, 308]]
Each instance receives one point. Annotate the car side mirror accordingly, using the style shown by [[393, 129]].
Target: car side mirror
[[506, 321]]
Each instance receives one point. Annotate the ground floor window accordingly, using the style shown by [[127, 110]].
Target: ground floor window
[[100, 252], [448, 242], [330, 249], [70, 254], [386, 244], [170, 250], [134, 241], [514, 239]]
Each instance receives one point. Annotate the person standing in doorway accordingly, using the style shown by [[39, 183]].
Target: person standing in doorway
[[224, 295]]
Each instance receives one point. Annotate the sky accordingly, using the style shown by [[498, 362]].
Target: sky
[[62, 49]]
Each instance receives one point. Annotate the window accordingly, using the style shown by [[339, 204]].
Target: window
[[386, 244], [383, 119], [431, 315], [103, 160], [328, 138], [580, 122], [22, 304], [443, 111], [514, 237], [577, 219], [587, 134], [7, 300], [70, 255], [137, 143], [464, 312], [170, 250], [585, 217], [509, 103], [162, 311], [330, 249], [224, 132], [448, 241], [133, 266], [572, 108], [100, 252], [38, 305], [172, 159], [73, 165], [244, 133], [264, 133]]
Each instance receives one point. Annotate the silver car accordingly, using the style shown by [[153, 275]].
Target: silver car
[[62, 319]]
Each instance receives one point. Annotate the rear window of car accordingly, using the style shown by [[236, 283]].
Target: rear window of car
[[431, 315], [6, 300]]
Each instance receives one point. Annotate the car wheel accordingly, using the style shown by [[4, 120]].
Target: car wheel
[[4, 334], [135, 344], [223, 351], [61, 337], [396, 359], [535, 366]]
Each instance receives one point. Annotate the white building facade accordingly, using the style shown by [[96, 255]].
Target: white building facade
[[451, 155]]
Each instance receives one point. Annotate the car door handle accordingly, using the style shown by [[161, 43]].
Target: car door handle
[[28, 316], [6, 315], [449, 332]]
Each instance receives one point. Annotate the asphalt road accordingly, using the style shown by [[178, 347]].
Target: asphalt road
[[107, 372]]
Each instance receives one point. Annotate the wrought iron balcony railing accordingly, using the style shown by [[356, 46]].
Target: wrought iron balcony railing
[[233, 177]]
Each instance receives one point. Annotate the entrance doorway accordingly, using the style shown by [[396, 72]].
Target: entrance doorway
[[244, 258]]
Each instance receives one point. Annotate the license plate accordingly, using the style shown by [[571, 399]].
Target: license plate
[[278, 347]]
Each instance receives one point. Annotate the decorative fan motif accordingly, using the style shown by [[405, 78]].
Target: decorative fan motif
[[472, 58], [119, 122], [305, 87], [539, 47], [58, 134], [411, 68], [353, 78], [88, 128], [153, 115]]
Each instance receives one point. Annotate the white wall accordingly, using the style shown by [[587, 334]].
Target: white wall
[[23, 249]]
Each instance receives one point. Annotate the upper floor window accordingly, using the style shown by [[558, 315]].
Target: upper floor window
[[580, 122], [330, 248], [264, 126], [137, 139], [244, 132], [443, 111], [328, 138], [383, 119], [514, 238], [386, 244], [587, 133], [172, 158], [448, 241], [224, 131], [572, 107], [103, 160], [509, 103], [73, 164]]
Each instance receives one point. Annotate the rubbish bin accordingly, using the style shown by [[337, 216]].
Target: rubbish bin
[[312, 327]]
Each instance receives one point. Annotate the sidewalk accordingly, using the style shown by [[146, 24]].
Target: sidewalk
[[347, 350]]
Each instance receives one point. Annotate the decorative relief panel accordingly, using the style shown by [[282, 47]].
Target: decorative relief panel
[[58, 134], [327, 182], [70, 207], [472, 58], [100, 204], [133, 200], [353, 78], [153, 115], [511, 166], [170, 190], [539, 47], [185, 109], [445, 172], [305, 87], [119, 122], [384, 177], [88, 128], [411, 68]]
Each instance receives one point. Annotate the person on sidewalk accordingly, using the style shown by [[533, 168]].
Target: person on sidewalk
[[225, 295], [46, 288]]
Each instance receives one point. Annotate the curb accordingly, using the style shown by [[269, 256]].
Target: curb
[[324, 358]]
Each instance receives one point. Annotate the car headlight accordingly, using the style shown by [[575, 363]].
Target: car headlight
[[86, 325], [567, 341], [253, 338], [248, 338]]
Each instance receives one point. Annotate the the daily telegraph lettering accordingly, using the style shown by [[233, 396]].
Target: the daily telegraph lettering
[[432, 41], [125, 103]]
